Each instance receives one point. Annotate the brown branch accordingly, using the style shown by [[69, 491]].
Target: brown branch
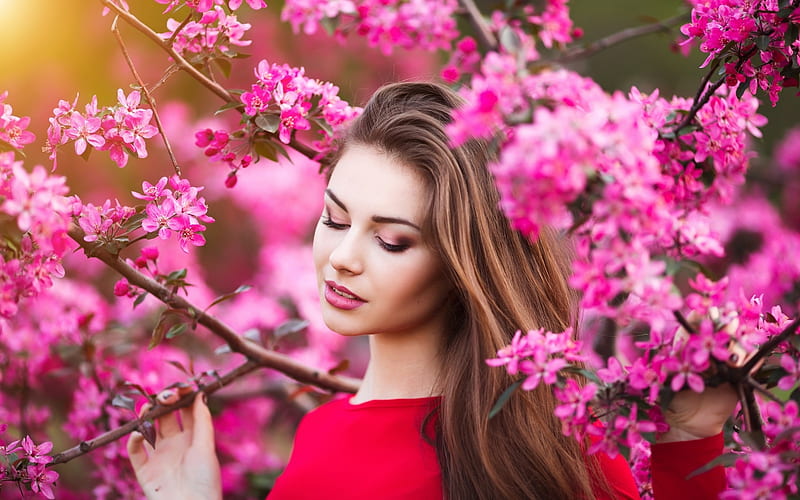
[[147, 96], [482, 31], [85, 447], [254, 352], [623, 36], [179, 60], [181, 63]]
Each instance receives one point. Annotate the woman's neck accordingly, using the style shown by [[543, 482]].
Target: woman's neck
[[401, 366]]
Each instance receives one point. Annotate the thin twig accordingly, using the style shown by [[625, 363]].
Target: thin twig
[[484, 34], [180, 27], [171, 70], [147, 96], [769, 346], [237, 343], [623, 36], [179, 60], [683, 322], [198, 75], [762, 390], [706, 93], [85, 447]]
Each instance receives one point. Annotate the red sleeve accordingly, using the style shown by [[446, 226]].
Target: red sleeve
[[670, 463]]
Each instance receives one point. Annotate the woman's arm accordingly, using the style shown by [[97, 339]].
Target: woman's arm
[[694, 439]]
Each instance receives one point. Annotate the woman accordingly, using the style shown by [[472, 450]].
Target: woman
[[413, 250]]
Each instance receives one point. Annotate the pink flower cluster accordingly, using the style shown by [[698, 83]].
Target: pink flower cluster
[[26, 465], [626, 396], [120, 129], [203, 6], [384, 23], [539, 355], [519, 31], [286, 93], [12, 128], [30, 258], [759, 36], [787, 153], [213, 35], [174, 209], [771, 473], [283, 100]]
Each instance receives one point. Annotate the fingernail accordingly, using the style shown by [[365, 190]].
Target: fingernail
[[205, 398], [166, 396]]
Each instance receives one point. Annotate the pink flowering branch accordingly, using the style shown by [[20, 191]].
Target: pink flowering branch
[[147, 95], [183, 64], [159, 410], [237, 343], [623, 36]]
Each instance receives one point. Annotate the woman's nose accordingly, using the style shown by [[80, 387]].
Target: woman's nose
[[346, 255]]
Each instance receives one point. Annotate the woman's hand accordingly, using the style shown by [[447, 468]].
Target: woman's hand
[[697, 415], [183, 464]]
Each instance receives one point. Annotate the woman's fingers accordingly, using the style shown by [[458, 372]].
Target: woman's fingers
[[136, 451], [203, 427], [169, 424]]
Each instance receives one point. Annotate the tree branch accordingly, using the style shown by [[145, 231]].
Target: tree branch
[[179, 60], [198, 75], [253, 351], [482, 31], [108, 437], [148, 97], [623, 36]]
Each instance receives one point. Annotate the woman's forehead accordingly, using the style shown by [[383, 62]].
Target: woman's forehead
[[367, 180]]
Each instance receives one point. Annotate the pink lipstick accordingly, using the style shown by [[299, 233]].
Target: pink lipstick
[[340, 297]]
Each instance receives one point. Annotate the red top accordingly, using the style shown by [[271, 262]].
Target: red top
[[375, 450]]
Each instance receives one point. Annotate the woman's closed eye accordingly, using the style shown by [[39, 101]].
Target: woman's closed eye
[[327, 221], [389, 247]]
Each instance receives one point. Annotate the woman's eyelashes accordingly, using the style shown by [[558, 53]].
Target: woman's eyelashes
[[327, 221], [389, 247]]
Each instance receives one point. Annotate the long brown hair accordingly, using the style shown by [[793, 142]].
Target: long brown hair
[[502, 282]]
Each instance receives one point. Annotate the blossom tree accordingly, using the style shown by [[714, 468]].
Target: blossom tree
[[682, 267]]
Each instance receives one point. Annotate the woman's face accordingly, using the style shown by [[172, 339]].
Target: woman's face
[[375, 272]]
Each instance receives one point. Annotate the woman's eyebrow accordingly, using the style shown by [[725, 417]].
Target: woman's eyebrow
[[380, 219]]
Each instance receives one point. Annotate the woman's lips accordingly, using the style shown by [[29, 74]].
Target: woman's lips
[[340, 297]]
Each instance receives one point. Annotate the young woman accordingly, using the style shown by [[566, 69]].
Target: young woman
[[413, 250]]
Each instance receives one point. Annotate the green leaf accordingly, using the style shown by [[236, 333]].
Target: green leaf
[[290, 327], [159, 332], [340, 367], [227, 106], [224, 66], [86, 154], [177, 275], [266, 149], [503, 399], [179, 366], [509, 40], [742, 88], [176, 330], [763, 41], [148, 430], [268, 122], [330, 24], [123, 401], [725, 460], [6, 146], [228, 296], [139, 299]]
